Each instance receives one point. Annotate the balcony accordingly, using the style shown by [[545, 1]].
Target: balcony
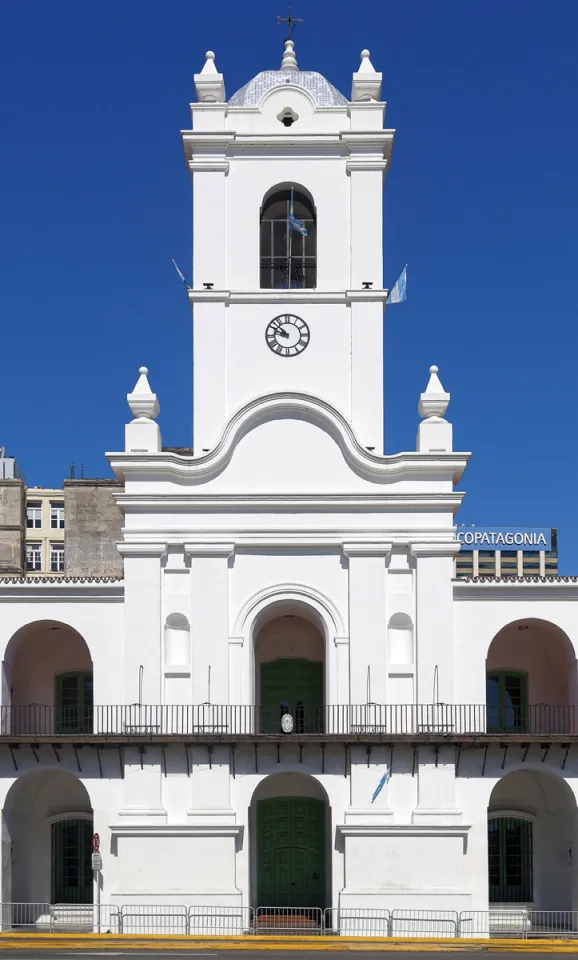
[[361, 723]]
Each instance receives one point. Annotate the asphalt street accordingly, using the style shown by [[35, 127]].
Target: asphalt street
[[258, 954]]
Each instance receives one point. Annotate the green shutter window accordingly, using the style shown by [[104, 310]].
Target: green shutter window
[[73, 702], [510, 860], [507, 701]]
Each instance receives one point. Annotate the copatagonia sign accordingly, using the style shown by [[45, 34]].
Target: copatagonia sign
[[508, 538]]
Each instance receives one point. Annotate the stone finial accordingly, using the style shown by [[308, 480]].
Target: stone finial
[[143, 403], [209, 83], [434, 433], [366, 83], [435, 401], [289, 61]]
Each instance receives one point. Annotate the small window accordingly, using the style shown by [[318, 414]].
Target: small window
[[34, 515], [57, 557], [34, 556], [57, 516]]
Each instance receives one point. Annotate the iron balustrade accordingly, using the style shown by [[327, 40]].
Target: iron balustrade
[[288, 273], [372, 720]]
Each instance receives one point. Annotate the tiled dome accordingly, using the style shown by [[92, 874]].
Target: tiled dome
[[323, 92]]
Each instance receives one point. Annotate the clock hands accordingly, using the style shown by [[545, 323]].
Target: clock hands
[[283, 333]]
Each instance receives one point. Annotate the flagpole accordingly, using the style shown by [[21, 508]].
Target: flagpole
[[290, 237]]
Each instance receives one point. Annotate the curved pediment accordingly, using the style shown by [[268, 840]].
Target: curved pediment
[[289, 442]]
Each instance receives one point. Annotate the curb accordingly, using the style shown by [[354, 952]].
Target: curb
[[152, 942]]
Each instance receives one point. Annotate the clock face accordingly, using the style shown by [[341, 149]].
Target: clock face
[[287, 335]]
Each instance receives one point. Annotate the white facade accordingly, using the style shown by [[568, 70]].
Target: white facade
[[290, 555]]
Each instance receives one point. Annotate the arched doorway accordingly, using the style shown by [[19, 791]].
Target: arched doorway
[[48, 680], [48, 827], [531, 679], [290, 822], [289, 671], [531, 828]]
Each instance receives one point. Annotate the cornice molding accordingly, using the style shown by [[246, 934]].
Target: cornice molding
[[402, 830], [448, 548], [180, 830], [311, 502], [203, 549], [142, 550], [369, 465], [288, 297], [367, 549]]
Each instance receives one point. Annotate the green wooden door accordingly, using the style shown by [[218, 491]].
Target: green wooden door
[[292, 686], [291, 852], [73, 702]]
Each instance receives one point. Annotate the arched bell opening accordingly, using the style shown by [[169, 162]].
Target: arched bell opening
[[288, 236]]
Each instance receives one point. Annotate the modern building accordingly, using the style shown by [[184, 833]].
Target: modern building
[[507, 552], [285, 700]]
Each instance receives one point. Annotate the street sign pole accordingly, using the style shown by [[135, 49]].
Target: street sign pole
[[96, 870]]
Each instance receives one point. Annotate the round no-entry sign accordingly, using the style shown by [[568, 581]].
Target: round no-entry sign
[[96, 842]]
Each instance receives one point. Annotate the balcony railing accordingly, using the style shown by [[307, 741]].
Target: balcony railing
[[288, 273], [377, 721]]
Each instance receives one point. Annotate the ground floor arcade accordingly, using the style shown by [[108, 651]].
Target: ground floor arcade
[[291, 827]]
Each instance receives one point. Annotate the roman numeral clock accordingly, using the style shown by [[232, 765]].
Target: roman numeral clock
[[287, 335]]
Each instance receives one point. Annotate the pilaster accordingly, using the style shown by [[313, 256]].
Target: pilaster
[[434, 621], [367, 620], [210, 620]]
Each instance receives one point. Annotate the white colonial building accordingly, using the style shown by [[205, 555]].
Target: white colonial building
[[289, 635]]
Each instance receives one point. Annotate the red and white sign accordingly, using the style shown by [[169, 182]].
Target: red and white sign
[[96, 842]]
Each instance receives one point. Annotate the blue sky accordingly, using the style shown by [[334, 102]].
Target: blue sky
[[481, 201]]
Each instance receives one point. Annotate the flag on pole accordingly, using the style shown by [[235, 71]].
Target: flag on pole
[[298, 225], [380, 785], [187, 285], [399, 291]]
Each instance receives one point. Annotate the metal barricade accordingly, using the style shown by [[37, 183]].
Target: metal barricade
[[424, 923], [289, 920], [27, 916], [357, 921], [139, 918], [220, 921]]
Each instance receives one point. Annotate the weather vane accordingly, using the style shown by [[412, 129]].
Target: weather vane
[[290, 21]]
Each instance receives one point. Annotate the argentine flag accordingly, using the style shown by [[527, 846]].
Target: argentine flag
[[294, 224], [381, 785], [399, 292]]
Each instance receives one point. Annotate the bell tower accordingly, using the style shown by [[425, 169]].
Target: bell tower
[[287, 289]]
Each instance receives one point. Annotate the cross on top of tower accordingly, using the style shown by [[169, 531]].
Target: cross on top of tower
[[290, 21]]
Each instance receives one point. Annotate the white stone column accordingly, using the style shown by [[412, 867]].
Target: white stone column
[[367, 621], [209, 368], [210, 621]]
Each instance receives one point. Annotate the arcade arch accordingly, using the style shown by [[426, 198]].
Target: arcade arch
[[532, 820], [531, 679], [48, 826], [48, 680]]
